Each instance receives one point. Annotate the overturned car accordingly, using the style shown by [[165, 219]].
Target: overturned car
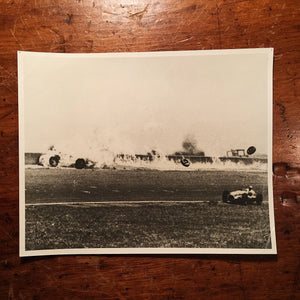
[[244, 196]]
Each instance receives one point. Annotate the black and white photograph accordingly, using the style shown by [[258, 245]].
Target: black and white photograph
[[156, 153]]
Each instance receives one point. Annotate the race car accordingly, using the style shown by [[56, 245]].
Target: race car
[[244, 196], [57, 159]]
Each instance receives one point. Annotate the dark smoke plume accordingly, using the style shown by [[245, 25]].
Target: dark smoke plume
[[190, 147]]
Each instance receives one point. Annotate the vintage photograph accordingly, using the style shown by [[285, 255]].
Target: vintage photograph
[[160, 152]]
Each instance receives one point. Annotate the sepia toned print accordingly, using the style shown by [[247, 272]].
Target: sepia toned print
[[165, 152]]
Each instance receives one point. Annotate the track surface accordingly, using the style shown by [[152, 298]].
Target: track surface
[[69, 208]]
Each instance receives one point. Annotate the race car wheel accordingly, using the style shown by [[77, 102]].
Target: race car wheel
[[53, 161], [80, 163], [245, 199], [225, 196], [251, 150], [185, 162], [259, 199], [231, 199]]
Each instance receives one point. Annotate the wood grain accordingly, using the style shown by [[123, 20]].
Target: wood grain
[[146, 25]]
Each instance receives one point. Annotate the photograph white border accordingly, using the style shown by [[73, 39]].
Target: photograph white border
[[23, 252]]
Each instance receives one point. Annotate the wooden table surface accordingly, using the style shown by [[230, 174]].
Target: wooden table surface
[[146, 25]]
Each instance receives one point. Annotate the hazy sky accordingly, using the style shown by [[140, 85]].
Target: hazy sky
[[134, 104]]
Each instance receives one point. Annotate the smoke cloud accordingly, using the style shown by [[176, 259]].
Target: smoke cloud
[[190, 146]]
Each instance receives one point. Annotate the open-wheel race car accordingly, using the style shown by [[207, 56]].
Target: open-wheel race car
[[244, 196], [57, 159]]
